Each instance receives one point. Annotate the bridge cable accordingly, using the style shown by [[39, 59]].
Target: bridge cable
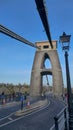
[[43, 15], [16, 36]]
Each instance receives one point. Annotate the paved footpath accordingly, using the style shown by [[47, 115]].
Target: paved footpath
[[9, 104]]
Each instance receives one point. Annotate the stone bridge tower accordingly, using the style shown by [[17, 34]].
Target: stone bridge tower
[[38, 69]]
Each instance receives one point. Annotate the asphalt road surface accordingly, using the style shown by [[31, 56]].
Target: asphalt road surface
[[41, 119]]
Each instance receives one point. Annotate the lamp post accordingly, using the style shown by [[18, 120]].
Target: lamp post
[[65, 40]]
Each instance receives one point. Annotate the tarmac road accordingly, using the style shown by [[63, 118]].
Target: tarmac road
[[41, 119]]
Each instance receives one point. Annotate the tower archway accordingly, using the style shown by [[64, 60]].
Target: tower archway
[[47, 84], [47, 63], [47, 81], [39, 69]]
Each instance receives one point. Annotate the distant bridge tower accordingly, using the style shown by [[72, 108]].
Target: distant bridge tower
[[38, 69]]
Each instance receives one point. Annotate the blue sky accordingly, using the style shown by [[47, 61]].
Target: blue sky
[[21, 16]]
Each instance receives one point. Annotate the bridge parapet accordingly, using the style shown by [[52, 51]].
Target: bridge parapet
[[61, 121]]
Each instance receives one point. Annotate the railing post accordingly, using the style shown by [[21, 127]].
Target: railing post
[[56, 123], [65, 116]]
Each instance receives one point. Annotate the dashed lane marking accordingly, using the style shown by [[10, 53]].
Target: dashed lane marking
[[11, 121]]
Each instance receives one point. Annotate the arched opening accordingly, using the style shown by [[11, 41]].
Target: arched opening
[[47, 63], [47, 80], [47, 83]]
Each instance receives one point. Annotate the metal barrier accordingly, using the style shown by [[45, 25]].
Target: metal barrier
[[61, 120]]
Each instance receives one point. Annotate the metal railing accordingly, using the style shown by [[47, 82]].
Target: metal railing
[[61, 120]]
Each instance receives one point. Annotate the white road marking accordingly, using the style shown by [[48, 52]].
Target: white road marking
[[24, 116], [10, 118], [7, 116]]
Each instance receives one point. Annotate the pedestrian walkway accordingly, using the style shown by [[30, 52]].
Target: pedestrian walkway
[[9, 104]]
